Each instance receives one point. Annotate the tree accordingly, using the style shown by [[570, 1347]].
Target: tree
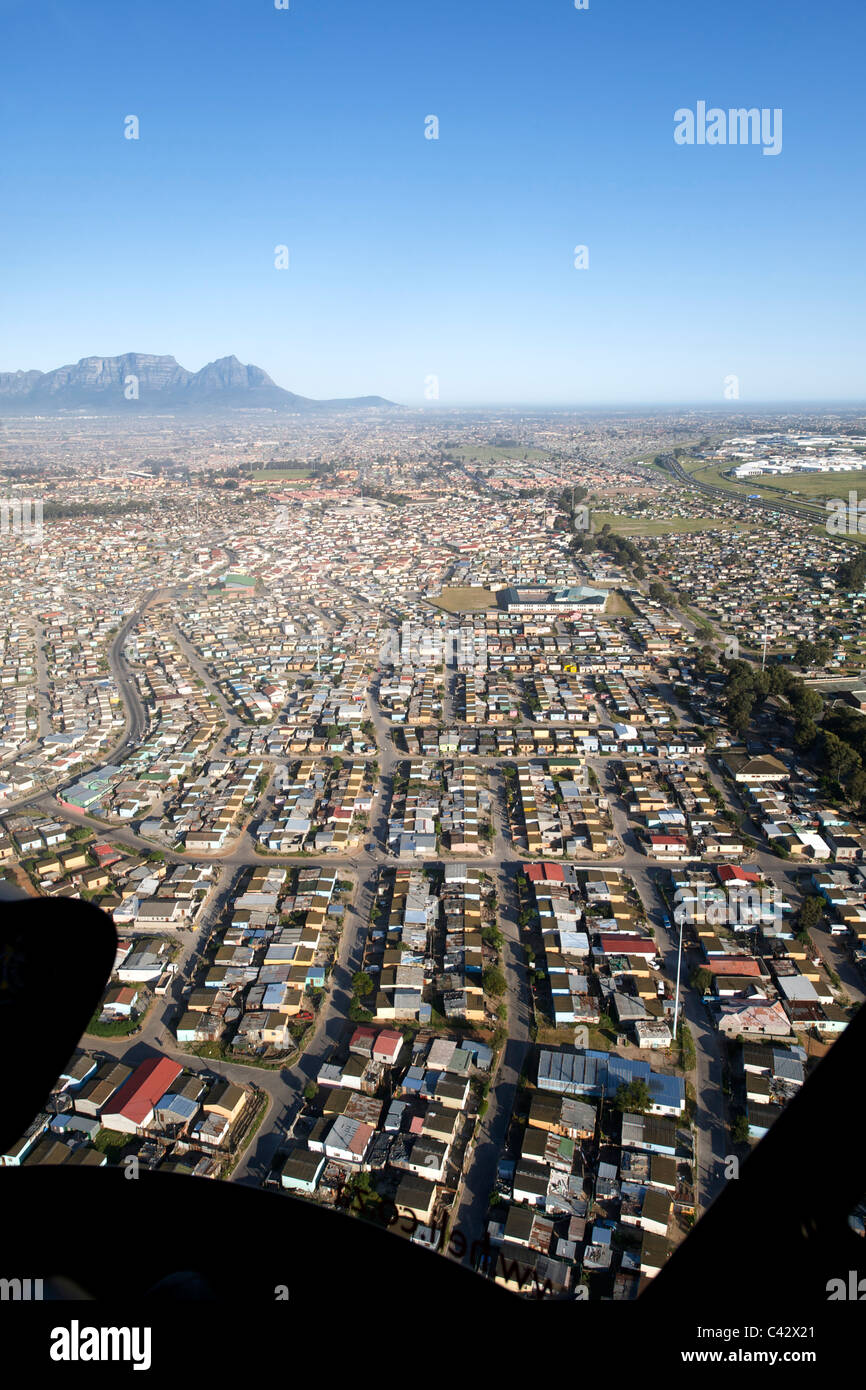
[[738, 711], [811, 913], [805, 733], [806, 653], [702, 979], [740, 1130], [806, 703], [311, 1090], [857, 786], [823, 652], [362, 985], [494, 982], [633, 1096], [851, 573], [839, 758]]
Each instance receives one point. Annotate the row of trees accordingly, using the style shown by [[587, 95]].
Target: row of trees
[[813, 653], [837, 745], [56, 511], [622, 550], [851, 574], [747, 687]]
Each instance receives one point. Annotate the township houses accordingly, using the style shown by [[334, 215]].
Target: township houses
[[273, 950], [131, 1109], [758, 1019], [575, 1210], [773, 1075], [584, 1072], [425, 938], [403, 1127], [595, 951]]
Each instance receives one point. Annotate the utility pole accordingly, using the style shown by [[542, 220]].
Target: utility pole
[[679, 969]]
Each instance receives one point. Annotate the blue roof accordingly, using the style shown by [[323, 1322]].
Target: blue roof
[[586, 1071], [667, 1090], [483, 1054], [180, 1105]]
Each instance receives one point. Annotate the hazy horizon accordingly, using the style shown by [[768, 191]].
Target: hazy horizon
[[740, 405], [412, 259]]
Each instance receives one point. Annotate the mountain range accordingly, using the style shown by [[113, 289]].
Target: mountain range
[[141, 382]]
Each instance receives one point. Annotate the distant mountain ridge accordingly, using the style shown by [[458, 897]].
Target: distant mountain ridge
[[140, 382]]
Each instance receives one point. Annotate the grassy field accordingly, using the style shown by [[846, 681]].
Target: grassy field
[[851, 539], [278, 475], [618, 606], [464, 600], [703, 623], [806, 487], [812, 486]]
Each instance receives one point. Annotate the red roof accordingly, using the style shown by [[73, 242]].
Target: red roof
[[105, 854], [734, 965], [148, 1084], [362, 1034], [539, 873], [730, 873], [361, 1138], [626, 945], [388, 1042]]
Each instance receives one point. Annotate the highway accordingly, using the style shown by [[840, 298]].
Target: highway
[[816, 514]]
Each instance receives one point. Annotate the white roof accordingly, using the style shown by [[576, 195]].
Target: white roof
[[797, 987]]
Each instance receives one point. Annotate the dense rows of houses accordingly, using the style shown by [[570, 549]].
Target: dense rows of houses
[[597, 955], [267, 958], [591, 1192], [426, 944], [170, 1118], [398, 1107]]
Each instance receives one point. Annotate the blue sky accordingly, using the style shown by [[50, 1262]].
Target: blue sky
[[453, 258]]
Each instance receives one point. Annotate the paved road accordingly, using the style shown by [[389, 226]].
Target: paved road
[[470, 1211], [503, 864], [816, 513], [284, 1088], [135, 728]]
